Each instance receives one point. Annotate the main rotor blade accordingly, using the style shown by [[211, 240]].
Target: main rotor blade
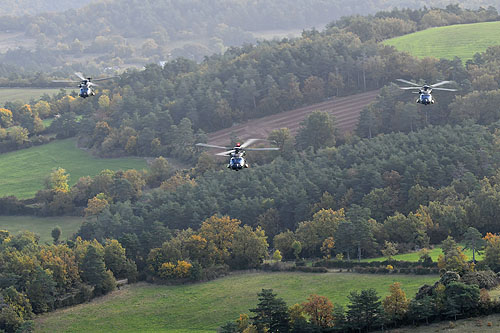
[[445, 89], [256, 149], [408, 82], [105, 78], [80, 76], [93, 84], [64, 81], [439, 84], [249, 142], [409, 88], [210, 146], [225, 153]]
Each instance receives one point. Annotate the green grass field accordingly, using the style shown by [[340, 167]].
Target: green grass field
[[24, 171], [25, 94], [463, 40], [414, 256], [203, 307], [41, 226]]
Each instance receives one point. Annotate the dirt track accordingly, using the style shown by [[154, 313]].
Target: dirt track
[[345, 109]]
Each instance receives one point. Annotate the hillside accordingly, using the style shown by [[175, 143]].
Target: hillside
[[42, 226], [205, 306], [346, 111], [24, 181], [32, 7], [463, 41]]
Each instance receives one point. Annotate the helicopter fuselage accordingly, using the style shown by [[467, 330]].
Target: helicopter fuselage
[[425, 98], [237, 162], [86, 90]]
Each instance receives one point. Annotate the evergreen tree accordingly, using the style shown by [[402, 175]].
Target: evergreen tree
[[271, 313], [474, 240], [365, 310], [94, 272]]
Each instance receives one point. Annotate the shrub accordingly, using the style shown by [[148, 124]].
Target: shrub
[[483, 279]]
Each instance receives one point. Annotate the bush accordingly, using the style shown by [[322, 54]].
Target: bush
[[394, 263], [309, 269], [299, 263], [483, 279]]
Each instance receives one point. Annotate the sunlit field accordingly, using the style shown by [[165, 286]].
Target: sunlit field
[[24, 171], [203, 307], [26, 94], [463, 40], [42, 226]]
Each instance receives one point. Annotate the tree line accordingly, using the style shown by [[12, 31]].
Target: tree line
[[37, 278]]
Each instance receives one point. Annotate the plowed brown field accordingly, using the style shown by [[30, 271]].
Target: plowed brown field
[[346, 111]]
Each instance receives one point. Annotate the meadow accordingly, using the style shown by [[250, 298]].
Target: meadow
[[24, 171], [42, 226], [415, 256], [463, 41], [203, 307], [26, 94]]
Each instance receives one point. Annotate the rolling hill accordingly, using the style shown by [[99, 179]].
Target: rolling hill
[[24, 170], [346, 111], [203, 307], [463, 40]]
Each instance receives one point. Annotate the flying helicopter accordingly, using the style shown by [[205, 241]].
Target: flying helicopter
[[425, 91], [237, 153], [86, 85]]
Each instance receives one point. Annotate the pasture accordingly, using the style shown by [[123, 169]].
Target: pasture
[[41, 226], [203, 307], [462, 40], [24, 171], [415, 256], [26, 94]]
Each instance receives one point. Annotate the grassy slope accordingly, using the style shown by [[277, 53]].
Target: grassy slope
[[25, 94], [41, 225], [414, 256], [24, 171], [463, 40], [205, 306]]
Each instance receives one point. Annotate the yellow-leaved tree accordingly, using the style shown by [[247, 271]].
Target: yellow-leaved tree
[[396, 304], [58, 180], [220, 231]]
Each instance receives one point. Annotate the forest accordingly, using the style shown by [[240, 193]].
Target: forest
[[110, 34], [33, 7], [407, 179]]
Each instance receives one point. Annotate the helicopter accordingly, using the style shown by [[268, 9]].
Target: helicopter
[[86, 85], [237, 153], [425, 91]]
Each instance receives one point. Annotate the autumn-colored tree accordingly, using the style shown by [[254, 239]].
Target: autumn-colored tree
[[182, 269], [58, 180], [297, 315], [96, 205], [5, 117], [277, 256], [396, 303], [453, 259], [42, 109], [220, 231], [320, 310], [492, 251], [18, 135], [176, 181], [249, 247], [327, 247], [136, 179]]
